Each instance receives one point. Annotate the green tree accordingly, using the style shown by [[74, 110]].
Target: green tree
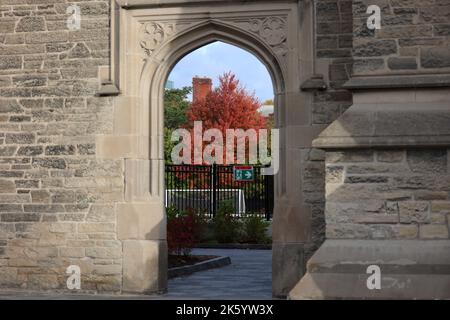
[[175, 108]]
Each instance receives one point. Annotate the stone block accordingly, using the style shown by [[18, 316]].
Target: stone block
[[374, 48], [390, 156], [72, 252], [402, 63], [10, 62], [40, 196], [43, 281], [101, 213], [30, 24], [437, 57], [288, 266], [440, 206], [141, 221], [428, 161], [350, 156], [96, 227], [414, 212], [7, 186], [338, 270], [434, 231], [106, 253], [60, 150], [144, 266], [20, 138]]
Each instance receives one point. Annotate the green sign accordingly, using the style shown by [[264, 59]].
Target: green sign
[[243, 173]]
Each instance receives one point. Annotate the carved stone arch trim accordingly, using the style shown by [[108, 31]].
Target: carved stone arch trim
[[158, 66], [205, 32]]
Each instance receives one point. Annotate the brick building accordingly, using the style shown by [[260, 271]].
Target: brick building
[[201, 87]]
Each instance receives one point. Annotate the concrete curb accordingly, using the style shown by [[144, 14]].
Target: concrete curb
[[201, 266]]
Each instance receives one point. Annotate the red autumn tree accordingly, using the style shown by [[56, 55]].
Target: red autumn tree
[[229, 106]]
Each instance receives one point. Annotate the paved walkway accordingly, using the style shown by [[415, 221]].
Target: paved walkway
[[248, 277]]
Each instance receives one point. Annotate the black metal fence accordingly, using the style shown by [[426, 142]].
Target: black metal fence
[[203, 188]]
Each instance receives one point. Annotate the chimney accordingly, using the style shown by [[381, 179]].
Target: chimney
[[201, 88]]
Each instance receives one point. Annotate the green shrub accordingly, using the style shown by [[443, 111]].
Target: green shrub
[[227, 229], [172, 212], [255, 229]]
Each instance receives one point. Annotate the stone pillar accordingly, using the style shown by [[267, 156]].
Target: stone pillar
[[387, 163]]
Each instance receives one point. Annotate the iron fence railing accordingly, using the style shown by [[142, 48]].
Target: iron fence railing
[[203, 188]]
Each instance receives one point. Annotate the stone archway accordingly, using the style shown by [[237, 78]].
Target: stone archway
[[152, 39]]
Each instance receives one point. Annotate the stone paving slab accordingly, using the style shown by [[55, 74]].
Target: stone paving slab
[[248, 277]]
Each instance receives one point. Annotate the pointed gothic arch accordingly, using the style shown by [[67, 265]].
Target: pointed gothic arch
[[152, 40]]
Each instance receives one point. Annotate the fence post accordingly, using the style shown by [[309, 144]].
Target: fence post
[[214, 188], [266, 198]]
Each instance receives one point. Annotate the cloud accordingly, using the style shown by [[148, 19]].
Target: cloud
[[214, 59]]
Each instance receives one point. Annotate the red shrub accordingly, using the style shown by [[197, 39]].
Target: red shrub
[[181, 234]]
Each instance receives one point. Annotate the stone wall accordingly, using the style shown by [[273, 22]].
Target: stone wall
[[334, 62], [56, 198], [387, 172], [414, 37], [388, 194]]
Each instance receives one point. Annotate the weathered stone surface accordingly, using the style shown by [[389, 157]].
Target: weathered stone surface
[[10, 63], [356, 156], [7, 186], [414, 212], [402, 63], [51, 163], [30, 151], [366, 179], [19, 217], [432, 161], [11, 208], [435, 57], [405, 31], [151, 258], [374, 48], [10, 106], [442, 30], [440, 206], [434, 231], [430, 195], [79, 51], [43, 281], [390, 156], [345, 262], [104, 253], [7, 151], [334, 174], [96, 227], [394, 202], [101, 213], [27, 184], [60, 150], [30, 24], [7, 25], [30, 80], [86, 149], [20, 138]]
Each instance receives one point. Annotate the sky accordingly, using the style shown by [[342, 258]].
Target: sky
[[217, 58]]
